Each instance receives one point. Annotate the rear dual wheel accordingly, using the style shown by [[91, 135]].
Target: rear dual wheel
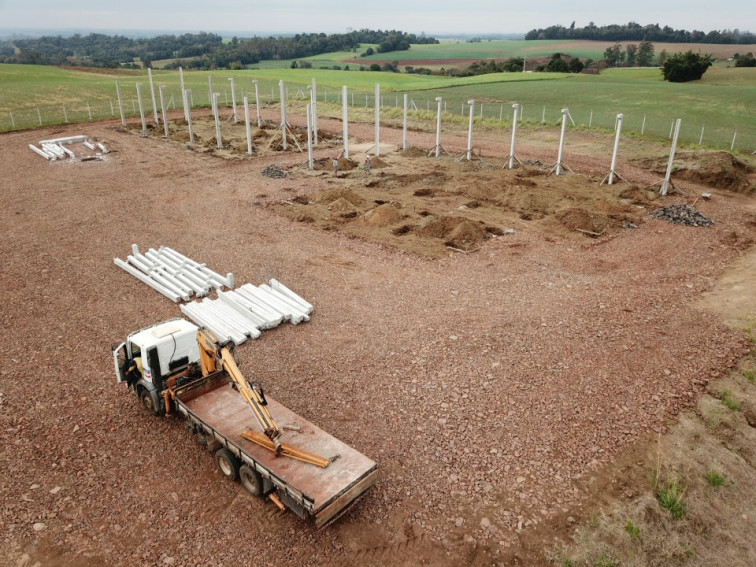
[[227, 463], [251, 480]]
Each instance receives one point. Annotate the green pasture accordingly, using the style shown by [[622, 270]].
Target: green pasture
[[721, 103]]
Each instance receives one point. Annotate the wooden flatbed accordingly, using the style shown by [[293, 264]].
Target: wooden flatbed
[[319, 495]]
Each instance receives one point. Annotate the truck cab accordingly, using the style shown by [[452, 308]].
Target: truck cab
[[151, 355]]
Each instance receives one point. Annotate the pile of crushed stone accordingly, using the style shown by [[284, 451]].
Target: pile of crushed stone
[[274, 172], [682, 214]]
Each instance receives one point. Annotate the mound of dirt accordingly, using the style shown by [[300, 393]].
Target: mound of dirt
[[328, 197], [382, 215], [581, 220], [341, 205], [377, 163], [466, 236], [721, 170], [637, 196], [274, 172], [439, 227], [413, 151]]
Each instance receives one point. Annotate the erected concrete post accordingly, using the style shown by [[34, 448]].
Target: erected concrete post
[[216, 96], [565, 112], [314, 102], [163, 111], [246, 125], [404, 122], [438, 127], [345, 120], [616, 149], [284, 126], [665, 184], [310, 164], [516, 108], [120, 105], [233, 100], [210, 90], [141, 108], [470, 129], [377, 119], [257, 103], [154, 101], [188, 107]]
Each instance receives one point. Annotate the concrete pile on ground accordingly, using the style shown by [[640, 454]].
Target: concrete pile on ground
[[682, 214]]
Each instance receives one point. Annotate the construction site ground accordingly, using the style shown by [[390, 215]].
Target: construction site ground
[[505, 344]]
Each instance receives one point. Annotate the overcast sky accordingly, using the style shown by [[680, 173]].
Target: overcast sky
[[336, 16]]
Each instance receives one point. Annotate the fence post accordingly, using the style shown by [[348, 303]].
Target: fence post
[[643, 126], [163, 111], [345, 120], [246, 125], [700, 139], [65, 114], [154, 101], [665, 183], [141, 108], [13, 122], [404, 126], [39, 115], [89, 110], [120, 103], [735, 135], [377, 119]]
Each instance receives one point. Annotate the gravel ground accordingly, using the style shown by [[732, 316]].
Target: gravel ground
[[484, 385]]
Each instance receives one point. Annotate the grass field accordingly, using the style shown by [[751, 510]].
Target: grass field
[[720, 103]]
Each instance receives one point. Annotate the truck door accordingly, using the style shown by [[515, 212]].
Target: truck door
[[119, 359]]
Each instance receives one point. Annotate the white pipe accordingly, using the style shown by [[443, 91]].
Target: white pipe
[[89, 145], [217, 121], [262, 308], [188, 107], [257, 103], [103, 148], [162, 109], [233, 99], [66, 140], [233, 300], [68, 152], [284, 300], [240, 322], [315, 111], [141, 108], [310, 163], [120, 104], [145, 279], [293, 315]]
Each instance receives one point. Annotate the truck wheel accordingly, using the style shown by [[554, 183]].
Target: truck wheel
[[227, 463], [148, 402], [251, 480]]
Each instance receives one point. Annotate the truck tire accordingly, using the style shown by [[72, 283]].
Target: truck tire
[[148, 402], [227, 463], [251, 480]]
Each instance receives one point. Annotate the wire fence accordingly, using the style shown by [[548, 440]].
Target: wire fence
[[650, 123]]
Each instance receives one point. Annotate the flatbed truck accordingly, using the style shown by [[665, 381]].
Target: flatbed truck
[[164, 365]]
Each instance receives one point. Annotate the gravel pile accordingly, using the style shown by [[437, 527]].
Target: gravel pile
[[274, 172], [489, 387], [682, 214]]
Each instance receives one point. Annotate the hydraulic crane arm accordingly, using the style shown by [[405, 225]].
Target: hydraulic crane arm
[[214, 357]]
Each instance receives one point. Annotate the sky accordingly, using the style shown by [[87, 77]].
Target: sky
[[433, 17]]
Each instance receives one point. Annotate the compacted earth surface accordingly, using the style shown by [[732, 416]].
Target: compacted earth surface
[[497, 340]]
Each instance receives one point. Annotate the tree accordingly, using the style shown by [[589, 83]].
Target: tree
[[575, 65], [614, 55], [746, 60], [662, 57], [645, 54], [631, 50], [683, 67]]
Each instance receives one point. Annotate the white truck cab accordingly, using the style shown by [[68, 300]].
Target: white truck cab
[[152, 354]]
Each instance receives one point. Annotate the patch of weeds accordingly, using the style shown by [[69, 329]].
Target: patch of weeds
[[605, 561], [671, 498], [729, 401], [750, 375], [568, 563], [632, 529], [714, 478], [593, 522]]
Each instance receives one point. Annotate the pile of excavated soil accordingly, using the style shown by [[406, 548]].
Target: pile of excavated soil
[[466, 236], [581, 220], [383, 215], [327, 197]]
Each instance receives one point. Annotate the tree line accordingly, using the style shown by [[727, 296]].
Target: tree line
[[633, 31], [199, 51]]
